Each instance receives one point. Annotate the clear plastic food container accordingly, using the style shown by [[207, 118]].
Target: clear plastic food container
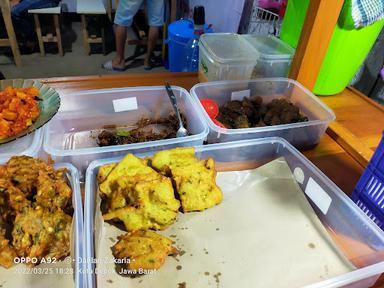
[[275, 56], [66, 273], [71, 135], [29, 145], [349, 229], [225, 56], [301, 135]]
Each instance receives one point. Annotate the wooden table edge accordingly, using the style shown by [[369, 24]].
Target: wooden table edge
[[349, 141]]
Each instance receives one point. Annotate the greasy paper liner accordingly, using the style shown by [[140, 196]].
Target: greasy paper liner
[[263, 234]]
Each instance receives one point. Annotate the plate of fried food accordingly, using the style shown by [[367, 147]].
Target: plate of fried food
[[141, 199], [40, 211], [147, 194], [25, 105], [190, 217]]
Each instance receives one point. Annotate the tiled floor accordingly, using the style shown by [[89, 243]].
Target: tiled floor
[[74, 63]]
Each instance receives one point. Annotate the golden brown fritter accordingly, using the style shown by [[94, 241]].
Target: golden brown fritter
[[33, 201], [44, 186], [4, 199], [139, 196], [52, 190], [23, 172], [39, 233], [178, 157], [7, 202], [143, 250], [3, 172], [194, 179], [150, 205], [7, 253], [104, 172], [17, 200], [130, 166]]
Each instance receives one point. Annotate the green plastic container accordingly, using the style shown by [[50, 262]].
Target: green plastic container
[[346, 51]]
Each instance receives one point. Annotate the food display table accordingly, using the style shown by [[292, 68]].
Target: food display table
[[342, 152]]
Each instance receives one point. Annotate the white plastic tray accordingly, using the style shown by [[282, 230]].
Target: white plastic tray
[[355, 235], [29, 145], [61, 274], [301, 135], [67, 136]]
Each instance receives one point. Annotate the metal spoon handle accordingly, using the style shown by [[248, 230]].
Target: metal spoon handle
[[174, 102]]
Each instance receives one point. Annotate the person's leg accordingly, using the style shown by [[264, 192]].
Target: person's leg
[[153, 35], [25, 5], [123, 19], [120, 39], [23, 23], [155, 10]]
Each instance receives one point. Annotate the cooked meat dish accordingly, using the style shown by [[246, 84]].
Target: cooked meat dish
[[252, 112], [147, 130]]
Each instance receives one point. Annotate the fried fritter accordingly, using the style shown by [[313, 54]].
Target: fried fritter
[[4, 199], [130, 166], [52, 190], [3, 172], [164, 160], [40, 183], [23, 172], [144, 249], [139, 196], [151, 205], [16, 198], [33, 201], [104, 172], [194, 179], [39, 233], [7, 253]]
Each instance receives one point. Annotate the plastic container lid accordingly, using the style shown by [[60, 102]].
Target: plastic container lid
[[181, 29], [270, 47], [228, 48]]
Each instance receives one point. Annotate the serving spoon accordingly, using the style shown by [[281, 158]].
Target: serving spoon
[[182, 132]]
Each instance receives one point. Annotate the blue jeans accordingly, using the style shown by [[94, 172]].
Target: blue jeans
[[127, 9], [24, 27]]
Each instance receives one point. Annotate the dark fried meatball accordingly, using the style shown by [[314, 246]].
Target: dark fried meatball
[[252, 112]]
